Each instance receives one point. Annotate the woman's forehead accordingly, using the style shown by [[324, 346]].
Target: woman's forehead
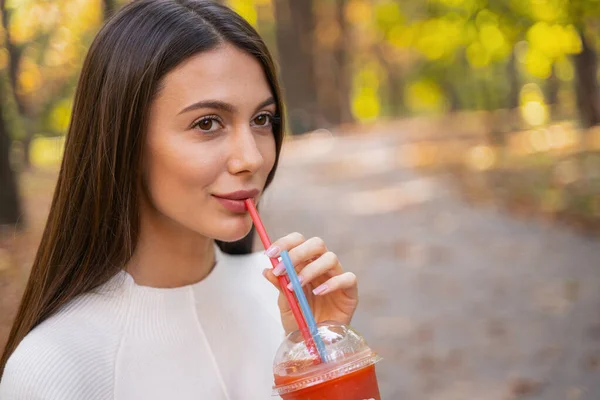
[[225, 73]]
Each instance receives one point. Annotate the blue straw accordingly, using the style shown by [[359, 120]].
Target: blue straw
[[308, 315]]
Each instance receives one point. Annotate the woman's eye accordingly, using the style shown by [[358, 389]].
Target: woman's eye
[[207, 124], [262, 120]]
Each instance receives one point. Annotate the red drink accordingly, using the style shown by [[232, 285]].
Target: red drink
[[357, 385], [348, 374]]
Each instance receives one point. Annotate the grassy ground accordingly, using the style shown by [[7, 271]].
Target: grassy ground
[[551, 174], [555, 188]]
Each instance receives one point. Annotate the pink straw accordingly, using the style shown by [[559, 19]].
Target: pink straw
[[283, 280]]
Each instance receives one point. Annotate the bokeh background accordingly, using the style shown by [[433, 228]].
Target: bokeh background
[[447, 150]]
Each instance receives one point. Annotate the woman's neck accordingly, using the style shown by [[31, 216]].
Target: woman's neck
[[169, 256]]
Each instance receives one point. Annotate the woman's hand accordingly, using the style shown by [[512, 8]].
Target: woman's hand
[[331, 293]]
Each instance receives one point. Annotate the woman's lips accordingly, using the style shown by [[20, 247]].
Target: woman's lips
[[237, 206], [234, 201]]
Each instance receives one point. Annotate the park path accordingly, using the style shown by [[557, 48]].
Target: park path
[[462, 302]]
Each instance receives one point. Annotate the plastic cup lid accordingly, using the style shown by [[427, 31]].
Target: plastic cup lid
[[295, 368]]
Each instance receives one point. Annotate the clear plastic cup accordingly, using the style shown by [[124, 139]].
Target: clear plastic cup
[[349, 373]]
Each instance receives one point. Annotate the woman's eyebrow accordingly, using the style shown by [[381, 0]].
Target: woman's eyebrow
[[221, 105], [265, 103], [216, 104]]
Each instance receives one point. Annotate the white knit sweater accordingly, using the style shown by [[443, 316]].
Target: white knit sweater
[[215, 340]]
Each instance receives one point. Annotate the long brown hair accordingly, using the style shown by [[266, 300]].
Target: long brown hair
[[92, 228]]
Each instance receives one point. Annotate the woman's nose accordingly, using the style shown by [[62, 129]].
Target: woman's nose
[[245, 155]]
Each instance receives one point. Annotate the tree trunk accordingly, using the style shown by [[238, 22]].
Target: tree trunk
[[343, 64], [451, 95], [552, 89], [14, 61], [333, 66], [295, 27], [587, 89], [27, 150], [396, 91], [513, 81], [394, 88], [109, 8], [10, 208], [14, 54]]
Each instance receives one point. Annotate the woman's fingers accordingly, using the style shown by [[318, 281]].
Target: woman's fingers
[[328, 263], [268, 273], [346, 281], [320, 273], [304, 253], [311, 260], [311, 249], [285, 243]]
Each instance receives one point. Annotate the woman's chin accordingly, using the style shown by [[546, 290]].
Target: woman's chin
[[232, 232]]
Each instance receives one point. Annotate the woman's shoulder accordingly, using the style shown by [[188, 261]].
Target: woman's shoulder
[[71, 355], [51, 363]]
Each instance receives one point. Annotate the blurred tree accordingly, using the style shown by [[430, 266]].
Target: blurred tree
[[552, 90], [15, 53], [488, 33], [295, 46], [109, 7], [586, 84], [10, 205], [334, 63], [344, 66], [587, 89], [514, 83], [557, 29], [394, 74], [46, 42]]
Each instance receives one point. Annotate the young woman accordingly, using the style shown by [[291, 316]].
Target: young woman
[[135, 292]]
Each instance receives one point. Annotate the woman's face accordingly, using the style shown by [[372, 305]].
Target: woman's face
[[209, 136]]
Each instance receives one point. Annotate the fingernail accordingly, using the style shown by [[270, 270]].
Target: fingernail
[[291, 287], [320, 289], [272, 251], [279, 269]]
